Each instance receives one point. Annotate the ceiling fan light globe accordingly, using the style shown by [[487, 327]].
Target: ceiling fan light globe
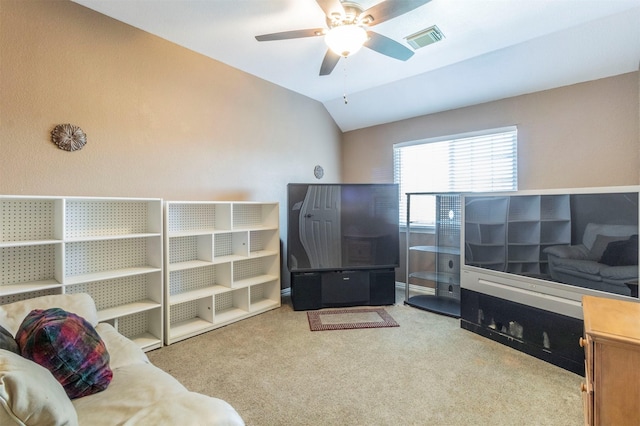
[[346, 40]]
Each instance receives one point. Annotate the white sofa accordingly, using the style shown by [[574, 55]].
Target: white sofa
[[139, 392]]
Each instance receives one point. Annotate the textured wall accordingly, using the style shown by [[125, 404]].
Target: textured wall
[[583, 135], [161, 120]]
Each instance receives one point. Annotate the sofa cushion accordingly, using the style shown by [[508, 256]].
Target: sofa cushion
[[592, 230], [68, 346], [600, 245], [29, 394], [7, 341], [621, 253], [122, 351], [588, 267], [141, 394], [12, 314], [571, 252], [619, 273]]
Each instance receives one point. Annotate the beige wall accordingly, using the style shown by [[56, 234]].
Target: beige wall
[[583, 135], [161, 120]]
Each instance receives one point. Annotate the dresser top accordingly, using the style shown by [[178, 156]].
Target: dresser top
[[613, 319]]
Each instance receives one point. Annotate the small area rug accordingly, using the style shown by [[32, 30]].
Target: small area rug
[[346, 319]]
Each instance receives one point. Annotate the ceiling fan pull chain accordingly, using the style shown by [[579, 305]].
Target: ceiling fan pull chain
[[344, 81]]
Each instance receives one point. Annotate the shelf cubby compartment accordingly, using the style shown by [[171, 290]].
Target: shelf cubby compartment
[[486, 256], [30, 220], [190, 251], [264, 296], [111, 258], [264, 242], [524, 208], [190, 318], [555, 207], [486, 210], [196, 283], [89, 218], [44, 271], [254, 271], [229, 246], [143, 327], [555, 232], [524, 253], [524, 232], [249, 215], [231, 306], [126, 298], [194, 217], [123, 296], [485, 233]]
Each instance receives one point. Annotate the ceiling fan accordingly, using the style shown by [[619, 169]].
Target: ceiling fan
[[348, 30]]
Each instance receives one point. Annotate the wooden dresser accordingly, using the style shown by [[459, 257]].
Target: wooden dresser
[[611, 392]]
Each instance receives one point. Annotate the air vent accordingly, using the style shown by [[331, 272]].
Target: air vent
[[425, 37]]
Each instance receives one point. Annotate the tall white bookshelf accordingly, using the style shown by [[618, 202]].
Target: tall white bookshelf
[[110, 248], [222, 264]]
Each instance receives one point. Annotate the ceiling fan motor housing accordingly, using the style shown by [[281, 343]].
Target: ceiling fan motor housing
[[352, 12]]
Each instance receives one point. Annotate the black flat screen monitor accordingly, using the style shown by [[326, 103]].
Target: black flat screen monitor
[[342, 226]]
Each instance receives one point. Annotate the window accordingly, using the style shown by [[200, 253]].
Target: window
[[479, 161]]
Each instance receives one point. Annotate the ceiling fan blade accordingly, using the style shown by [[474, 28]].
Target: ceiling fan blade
[[285, 35], [330, 7], [389, 9], [386, 46], [329, 62]]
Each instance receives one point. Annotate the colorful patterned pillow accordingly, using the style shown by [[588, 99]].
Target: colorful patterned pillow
[[68, 346]]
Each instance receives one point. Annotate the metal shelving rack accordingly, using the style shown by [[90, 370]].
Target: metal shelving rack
[[444, 276]]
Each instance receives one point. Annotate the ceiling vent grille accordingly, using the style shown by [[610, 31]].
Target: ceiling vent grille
[[425, 37]]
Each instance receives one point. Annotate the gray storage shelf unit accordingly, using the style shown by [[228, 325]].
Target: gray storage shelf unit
[[509, 233], [444, 254]]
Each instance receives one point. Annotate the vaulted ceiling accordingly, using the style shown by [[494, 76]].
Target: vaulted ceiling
[[492, 49]]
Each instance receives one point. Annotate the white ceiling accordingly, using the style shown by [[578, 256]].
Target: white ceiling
[[493, 49]]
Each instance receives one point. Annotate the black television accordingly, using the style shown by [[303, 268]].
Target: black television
[[342, 227]]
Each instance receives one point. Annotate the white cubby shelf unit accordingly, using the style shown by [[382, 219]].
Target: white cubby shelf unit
[[110, 248], [222, 264]]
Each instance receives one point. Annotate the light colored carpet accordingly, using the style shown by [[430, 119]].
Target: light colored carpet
[[427, 371]]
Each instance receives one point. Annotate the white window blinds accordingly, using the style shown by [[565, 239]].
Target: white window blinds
[[480, 161]]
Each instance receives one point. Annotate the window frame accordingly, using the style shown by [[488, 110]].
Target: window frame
[[489, 134]]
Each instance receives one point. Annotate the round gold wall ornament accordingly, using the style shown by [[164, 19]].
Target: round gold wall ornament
[[68, 137], [318, 172]]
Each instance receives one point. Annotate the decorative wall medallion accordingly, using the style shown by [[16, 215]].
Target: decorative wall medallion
[[68, 137], [318, 172]]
